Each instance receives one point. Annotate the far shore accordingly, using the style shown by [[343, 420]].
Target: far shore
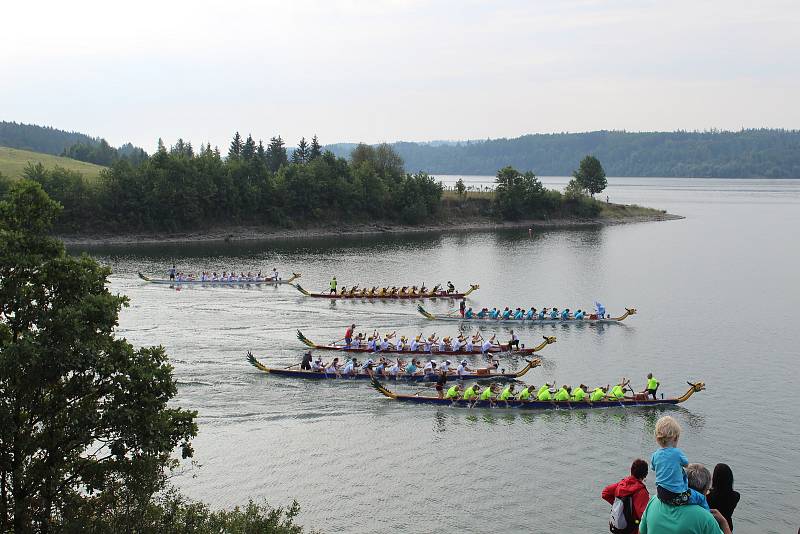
[[265, 233]]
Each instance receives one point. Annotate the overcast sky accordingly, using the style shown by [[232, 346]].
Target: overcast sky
[[396, 70]]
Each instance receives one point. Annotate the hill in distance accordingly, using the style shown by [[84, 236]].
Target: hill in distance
[[13, 162]]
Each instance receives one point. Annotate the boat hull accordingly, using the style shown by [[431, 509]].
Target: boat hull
[[474, 352], [213, 283], [533, 405], [315, 375]]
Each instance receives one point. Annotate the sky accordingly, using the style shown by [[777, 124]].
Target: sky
[[388, 70]]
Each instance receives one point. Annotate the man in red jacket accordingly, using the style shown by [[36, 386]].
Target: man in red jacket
[[633, 486]]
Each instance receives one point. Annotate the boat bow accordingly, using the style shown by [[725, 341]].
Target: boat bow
[[255, 363], [694, 387], [307, 342], [628, 311], [536, 362]]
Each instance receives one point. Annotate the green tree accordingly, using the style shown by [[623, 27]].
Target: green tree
[[85, 426], [276, 154], [236, 147], [574, 190], [461, 189], [518, 195], [315, 150], [590, 175], [300, 154], [249, 149]]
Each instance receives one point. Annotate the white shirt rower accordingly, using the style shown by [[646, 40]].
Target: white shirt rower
[[316, 365], [442, 346], [456, 345], [486, 346], [446, 366], [384, 344], [469, 346], [348, 368], [394, 370], [399, 345], [429, 367], [275, 274], [462, 369], [371, 344], [414, 345]]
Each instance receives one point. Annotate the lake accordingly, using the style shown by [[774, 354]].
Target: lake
[[717, 295]]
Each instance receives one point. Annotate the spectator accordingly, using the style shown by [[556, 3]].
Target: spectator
[[722, 495], [662, 518], [633, 489]]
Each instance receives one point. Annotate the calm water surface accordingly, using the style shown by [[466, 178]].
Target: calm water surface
[[717, 295]]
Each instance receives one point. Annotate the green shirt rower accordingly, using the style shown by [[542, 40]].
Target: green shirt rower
[[652, 383], [470, 393], [506, 394], [598, 394], [617, 392], [486, 394], [562, 395], [578, 394], [544, 393], [525, 394], [452, 393]]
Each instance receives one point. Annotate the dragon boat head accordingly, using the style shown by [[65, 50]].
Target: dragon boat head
[[549, 339], [697, 386], [631, 311]]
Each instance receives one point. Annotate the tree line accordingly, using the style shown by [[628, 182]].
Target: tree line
[[753, 153], [180, 188]]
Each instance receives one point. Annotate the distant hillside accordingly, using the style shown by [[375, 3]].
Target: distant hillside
[[62, 143], [714, 154], [14, 161]]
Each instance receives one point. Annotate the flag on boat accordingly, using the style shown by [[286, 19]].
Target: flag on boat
[[601, 310]]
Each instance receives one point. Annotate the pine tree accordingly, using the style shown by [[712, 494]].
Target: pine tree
[[161, 147], [249, 149], [261, 153], [315, 151], [236, 147], [300, 154], [276, 154]]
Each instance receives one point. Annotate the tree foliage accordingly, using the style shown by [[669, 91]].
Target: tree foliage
[[590, 175], [85, 426]]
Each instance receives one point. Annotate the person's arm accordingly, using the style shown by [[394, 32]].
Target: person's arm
[[722, 523], [609, 492], [684, 459]]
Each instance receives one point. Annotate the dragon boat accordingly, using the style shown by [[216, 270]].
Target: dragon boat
[[487, 320], [266, 281], [694, 387], [385, 293], [502, 347], [480, 375]]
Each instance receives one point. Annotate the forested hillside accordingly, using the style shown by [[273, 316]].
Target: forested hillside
[[73, 145], [713, 154]]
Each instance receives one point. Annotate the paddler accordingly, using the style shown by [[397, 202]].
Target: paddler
[[507, 393], [618, 391], [462, 369], [487, 393], [554, 314], [333, 286], [454, 392], [565, 314], [525, 394], [471, 392], [494, 314], [487, 344], [652, 385], [562, 394], [415, 343], [531, 314], [598, 394], [172, 272], [483, 313], [513, 343], [412, 368], [542, 314], [469, 314], [544, 392], [506, 313], [450, 287], [579, 393]]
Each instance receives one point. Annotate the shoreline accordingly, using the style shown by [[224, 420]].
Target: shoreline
[[267, 233]]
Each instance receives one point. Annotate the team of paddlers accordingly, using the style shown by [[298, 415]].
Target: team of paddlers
[[432, 344], [532, 314], [213, 276], [394, 291]]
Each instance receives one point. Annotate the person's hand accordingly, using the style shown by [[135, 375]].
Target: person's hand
[[723, 523]]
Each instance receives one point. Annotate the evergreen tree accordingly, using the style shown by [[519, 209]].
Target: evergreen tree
[[236, 147], [300, 154], [276, 154], [249, 149], [261, 153], [161, 147], [315, 150]]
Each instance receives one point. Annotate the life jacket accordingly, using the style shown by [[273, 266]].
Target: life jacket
[[621, 521]]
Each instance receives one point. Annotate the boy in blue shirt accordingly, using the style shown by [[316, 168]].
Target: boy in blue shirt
[[668, 462]]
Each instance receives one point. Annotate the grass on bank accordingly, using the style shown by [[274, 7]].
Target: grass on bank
[[13, 162]]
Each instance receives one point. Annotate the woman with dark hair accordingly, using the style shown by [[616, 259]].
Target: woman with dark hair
[[722, 495]]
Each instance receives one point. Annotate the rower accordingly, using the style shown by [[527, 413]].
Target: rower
[[487, 393], [275, 276], [415, 343], [455, 345], [506, 313], [367, 368], [542, 313], [462, 369], [544, 393], [394, 370], [470, 344], [333, 368], [450, 287], [519, 314], [411, 368], [579, 393], [494, 314], [333, 286], [565, 314], [471, 392], [385, 343], [562, 394], [379, 369], [514, 341], [305, 365], [579, 314], [350, 367], [316, 365], [618, 391], [443, 344], [487, 344], [531, 315], [371, 344], [400, 344], [525, 394], [554, 314], [172, 272], [429, 368], [468, 314], [652, 385], [454, 392], [446, 366], [507, 394], [483, 313], [598, 394]]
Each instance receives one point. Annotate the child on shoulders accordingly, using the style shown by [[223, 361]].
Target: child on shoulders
[[668, 462]]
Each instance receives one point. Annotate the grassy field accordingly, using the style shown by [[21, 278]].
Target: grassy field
[[14, 161]]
